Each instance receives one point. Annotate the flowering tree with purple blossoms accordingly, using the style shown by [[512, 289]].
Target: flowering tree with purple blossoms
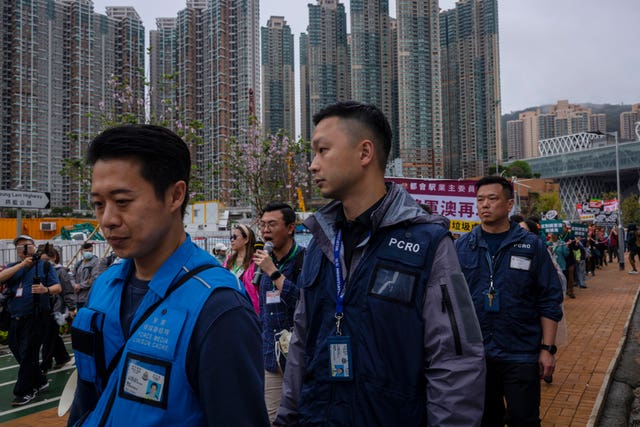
[[126, 107], [266, 169]]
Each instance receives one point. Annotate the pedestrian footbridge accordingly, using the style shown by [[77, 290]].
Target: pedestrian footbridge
[[584, 165]]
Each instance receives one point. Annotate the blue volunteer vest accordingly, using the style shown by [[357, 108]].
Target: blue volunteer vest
[[149, 386], [383, 318]]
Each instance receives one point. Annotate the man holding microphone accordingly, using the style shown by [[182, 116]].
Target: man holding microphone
[[278, 292]]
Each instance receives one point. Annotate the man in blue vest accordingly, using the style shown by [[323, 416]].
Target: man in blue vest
[[29, 282], [167, 314], [517, 296], [385, 332]]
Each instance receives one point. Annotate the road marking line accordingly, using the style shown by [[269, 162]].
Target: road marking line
[[66, 368], [9, 367], [30, 405]]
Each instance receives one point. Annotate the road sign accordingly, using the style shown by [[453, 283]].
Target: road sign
[[24, 199]]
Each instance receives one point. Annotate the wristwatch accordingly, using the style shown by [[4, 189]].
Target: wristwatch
[[275, 275], [550, 348]]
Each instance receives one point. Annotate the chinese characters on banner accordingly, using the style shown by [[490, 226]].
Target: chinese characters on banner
[[601, 212], [453, 199]]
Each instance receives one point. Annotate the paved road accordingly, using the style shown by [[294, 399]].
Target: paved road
[[47, 400]]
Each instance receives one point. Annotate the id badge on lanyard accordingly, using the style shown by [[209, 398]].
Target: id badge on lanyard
[[491, 297], [339, 346]]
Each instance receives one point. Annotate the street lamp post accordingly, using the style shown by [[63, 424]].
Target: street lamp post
[[516, 189], [620, 228]]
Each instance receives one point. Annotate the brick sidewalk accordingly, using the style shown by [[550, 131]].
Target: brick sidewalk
[[596, 322]]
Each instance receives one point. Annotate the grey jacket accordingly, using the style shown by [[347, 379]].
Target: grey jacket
[[85, 274], [454, 380]]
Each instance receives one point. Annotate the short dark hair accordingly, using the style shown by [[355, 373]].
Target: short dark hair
[[288, 214], [57, 258], [507, 188], [517, 218], [368, 115], [533, 226], [164, 157], [87, 245]]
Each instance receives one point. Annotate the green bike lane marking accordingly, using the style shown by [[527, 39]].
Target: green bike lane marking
[[46, 400]]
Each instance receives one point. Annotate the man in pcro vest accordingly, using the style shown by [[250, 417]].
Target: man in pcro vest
[[167, 320], [384, 330]]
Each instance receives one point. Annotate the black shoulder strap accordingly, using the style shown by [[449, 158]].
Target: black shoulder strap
[[297, 267], [116, 359], [46, 268]]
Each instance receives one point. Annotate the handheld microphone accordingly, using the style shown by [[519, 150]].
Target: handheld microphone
[[268, 248]]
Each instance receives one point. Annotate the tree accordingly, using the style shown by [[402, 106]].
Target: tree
[[519, 168], [273, 168], [630, 210], [491, 170], [529, 207], [547, 202], [125, 108]]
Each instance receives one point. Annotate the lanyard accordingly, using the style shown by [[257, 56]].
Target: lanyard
[[280, 266], [291, 255], [490, 262], [339, 281]]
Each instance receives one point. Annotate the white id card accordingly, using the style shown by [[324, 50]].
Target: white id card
[[19, 292], [146, 380], [340, 358], [520, 263], [273, 297]]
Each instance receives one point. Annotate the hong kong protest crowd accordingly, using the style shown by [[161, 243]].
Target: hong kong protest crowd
[[381, 318]]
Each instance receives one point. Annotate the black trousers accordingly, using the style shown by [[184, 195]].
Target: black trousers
[[52, 345], [25, 337], [517, 384]]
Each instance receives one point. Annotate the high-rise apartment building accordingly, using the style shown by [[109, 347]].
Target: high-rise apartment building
[[162, 69], [546, 128], [305, 103], [129, 44], [419, 90], [570, 118], [598, 123], [560, 120], [373, 58], [59, 59], [328, 66], [278, 81], [217, 71], [470, 88], [628, 121], [395, 105], [515, 136]]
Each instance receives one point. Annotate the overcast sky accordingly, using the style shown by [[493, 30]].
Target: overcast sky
[[580, 50]]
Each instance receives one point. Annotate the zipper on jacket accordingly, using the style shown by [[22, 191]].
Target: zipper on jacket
[[447, 307]]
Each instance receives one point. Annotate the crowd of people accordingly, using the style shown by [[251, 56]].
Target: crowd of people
[[383, 319], [580, 256], [39, 296]]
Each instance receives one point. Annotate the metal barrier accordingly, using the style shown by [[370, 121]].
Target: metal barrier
[[70, 248], [67, 250]]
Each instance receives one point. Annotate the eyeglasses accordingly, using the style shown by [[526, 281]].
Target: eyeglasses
[[269, 225], [233, 237], [23, 247]]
